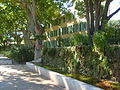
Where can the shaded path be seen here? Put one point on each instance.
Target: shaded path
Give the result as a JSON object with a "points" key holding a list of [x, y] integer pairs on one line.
{"points": [[20, 77], [5, 60]]}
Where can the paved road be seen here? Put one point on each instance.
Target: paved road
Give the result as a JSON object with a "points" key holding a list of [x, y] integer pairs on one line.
{"points": [[20, 77], [4, 60]]}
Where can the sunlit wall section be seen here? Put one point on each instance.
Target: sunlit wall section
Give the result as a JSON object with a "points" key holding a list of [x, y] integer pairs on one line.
{"points": [[60, 35]]}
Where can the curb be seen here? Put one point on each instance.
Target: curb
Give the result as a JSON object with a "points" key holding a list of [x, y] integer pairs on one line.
{"points": [[59, 79]]}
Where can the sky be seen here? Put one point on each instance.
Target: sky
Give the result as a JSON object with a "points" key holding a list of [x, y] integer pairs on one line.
{"points": [[115, 4]]}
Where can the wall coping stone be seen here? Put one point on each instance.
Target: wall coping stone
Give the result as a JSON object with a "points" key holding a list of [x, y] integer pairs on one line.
{"points": [[59, 79]]}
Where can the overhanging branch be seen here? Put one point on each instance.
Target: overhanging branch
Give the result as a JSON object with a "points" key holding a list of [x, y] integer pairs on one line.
{"points": [[106, 8], [111, 15]]}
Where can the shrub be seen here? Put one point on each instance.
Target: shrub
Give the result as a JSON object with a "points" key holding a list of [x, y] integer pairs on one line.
{"points": [[100, 41], [22, 54], [51, 52], [77, 60], [5, 53], [107, 44], [79, 39], [100, 61]]}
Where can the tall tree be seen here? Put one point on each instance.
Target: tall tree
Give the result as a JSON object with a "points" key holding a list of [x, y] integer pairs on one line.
{"points": [[96, 14], [39, 12], [12, 19]]}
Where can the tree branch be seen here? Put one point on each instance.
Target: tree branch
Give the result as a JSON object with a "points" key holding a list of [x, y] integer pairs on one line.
{"points": [[104, 14], [106, 8], [111, 15]]}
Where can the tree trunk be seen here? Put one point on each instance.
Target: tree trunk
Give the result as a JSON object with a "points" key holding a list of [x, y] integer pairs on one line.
{"points": [[97, 18], [38, 42], [37, 52], [26, 37], [33, 26], [104, 15], [90, 20], [97, 14], [92, 17]]}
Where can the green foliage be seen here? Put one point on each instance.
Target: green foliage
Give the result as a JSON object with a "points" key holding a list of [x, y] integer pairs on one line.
{"points": [[5, 53], [50, 68], [101, 61], [40, 37], [100, 40], [49, 9], [79, 39], [90, 80], [80, 7], [44, 51], [13, 20], [51, 52], [114, 23], [22, 54], [107, 45], [84, 78], [77, 60], [114, 36]]}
